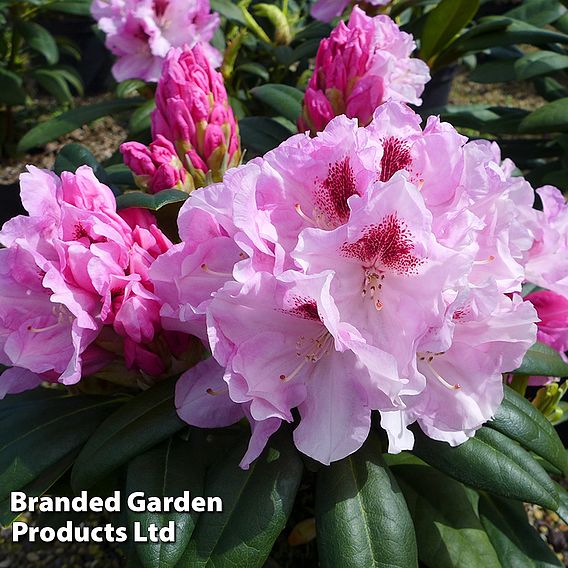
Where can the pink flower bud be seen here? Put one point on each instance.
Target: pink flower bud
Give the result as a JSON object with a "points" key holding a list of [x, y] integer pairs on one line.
{"points": [[360, 66]]}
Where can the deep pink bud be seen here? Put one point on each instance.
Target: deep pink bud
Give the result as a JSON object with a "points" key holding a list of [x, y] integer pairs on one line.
{"points": [[360, 66], [193, 112], [552, 309]]}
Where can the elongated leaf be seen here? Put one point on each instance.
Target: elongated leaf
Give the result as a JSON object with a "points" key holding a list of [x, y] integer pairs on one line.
{"points": [[537, 12], [260, 134], [229, 10], [119, 174], [72, 156], [256, 505], [144, 421], [255, 69], [448, 530], [285, 100], [11, 90], [150, 201], [517, 543], [518, 419], [75, 7], [361, 515], [68, 121], [39, 39], [38, 486], [167, 470], [141, 118], [443, 23], [542, 360], [66, 421], [54, 83], [562, 508], [492, 462]]}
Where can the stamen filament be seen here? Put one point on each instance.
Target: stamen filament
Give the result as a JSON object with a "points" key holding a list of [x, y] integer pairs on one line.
{"points": [[206, 268], [299, 211]]}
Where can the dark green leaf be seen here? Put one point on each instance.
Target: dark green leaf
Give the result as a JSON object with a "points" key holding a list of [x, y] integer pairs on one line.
{"points": [[315, 30], [260, 134], [67, 421], [562, 508], [256, 505], [537, 12], [448, 531], [129, 87], [518, 419], [361, 515], [74, 7], [542, 360], [54, 83], [285, 100], [11, 90], [39, 39], [492, 462], [443, 23], [144, 421], [150, 201], [517, 543], [68, 121], [72, 156], [141, 118], [167, 470], [119, 174], [229, 10], [254, 69]]}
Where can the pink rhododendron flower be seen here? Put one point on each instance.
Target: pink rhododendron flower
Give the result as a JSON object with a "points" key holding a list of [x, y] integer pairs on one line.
{"points": [[364, 269], [326, 10], [141, 32], [547, 264], [361, 65], [156, 167], [71, 268], [193, 127]]}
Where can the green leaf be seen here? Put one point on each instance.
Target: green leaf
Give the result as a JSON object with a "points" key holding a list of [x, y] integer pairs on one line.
{"points": [[492, 462], [537, 12], [543, 361], [518, 419], [143, 422], [443, 23], [129, 87], [314, 30], [120, 174], [54, 83], [517, 543], [562, 508], [66, 421], [285, 100], [229, 10], [39, 39], [361, 515], [40, 485], [254, 69], [150, 201], [448, 530], [72, 156], [74, 7], [69, 121], [71, 75], [167, 470], [256, 505], [11, 90], [259, 134], [140, 119]]}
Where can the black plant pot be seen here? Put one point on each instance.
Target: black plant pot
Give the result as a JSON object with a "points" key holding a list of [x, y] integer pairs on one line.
{"points": [[437, 91]]}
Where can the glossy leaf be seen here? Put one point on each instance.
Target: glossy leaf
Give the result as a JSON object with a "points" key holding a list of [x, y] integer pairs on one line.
{"points": [[36, 37], [11, 91], [518, 419], [517, 543], [70, 120], [141, 118], [285, 100], [361, 515], [443, 23], [448, 530], [72, 156], [492, 462], [66, 421], [259, 134], [542, 360], [167, 470], [153, 201], [256, 506], [135, 427], [537, 12]]}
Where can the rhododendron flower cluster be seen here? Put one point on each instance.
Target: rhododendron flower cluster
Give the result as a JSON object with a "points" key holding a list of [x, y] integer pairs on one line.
{"points": [[141, 32], [368, 268], [362, 64], [193, 127], [75, 284]]}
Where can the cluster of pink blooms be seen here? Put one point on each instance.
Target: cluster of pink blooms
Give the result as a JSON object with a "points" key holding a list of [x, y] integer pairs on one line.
{"points": [[141, 32], [368, 268], [195, 133], [75, 284], [361, 65]]}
